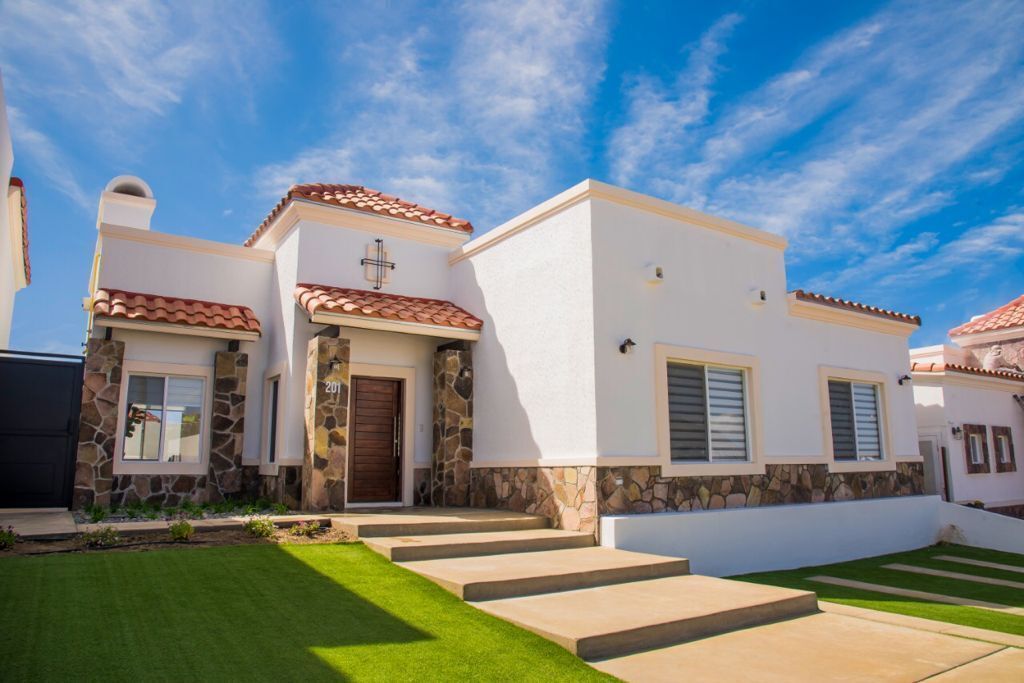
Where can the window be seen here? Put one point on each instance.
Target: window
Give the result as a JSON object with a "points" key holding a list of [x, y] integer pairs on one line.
{"points": [[856, 420], [976, 449], [1003, 440], [273, 393], [163, 420], [707, 413]]}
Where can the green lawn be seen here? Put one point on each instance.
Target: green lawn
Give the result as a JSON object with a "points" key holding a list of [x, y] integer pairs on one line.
{"points": [[260, 612], [870, 570]]}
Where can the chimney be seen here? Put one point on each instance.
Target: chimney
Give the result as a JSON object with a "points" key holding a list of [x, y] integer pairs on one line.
{"points": [[127, 201]]}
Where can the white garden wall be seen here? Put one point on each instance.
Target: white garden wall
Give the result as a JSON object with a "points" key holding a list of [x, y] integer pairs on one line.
{"points": [[744, 540]]}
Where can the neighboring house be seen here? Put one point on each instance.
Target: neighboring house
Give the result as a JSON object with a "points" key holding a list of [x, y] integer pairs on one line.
{"points": [[15, 272], [604, 352], [970, 408]]}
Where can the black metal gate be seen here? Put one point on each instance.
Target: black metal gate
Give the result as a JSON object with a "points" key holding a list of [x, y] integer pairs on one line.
{"points": [[40, 401]]}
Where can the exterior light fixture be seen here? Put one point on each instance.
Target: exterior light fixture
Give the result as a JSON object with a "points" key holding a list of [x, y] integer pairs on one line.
{"points": [[625, 346], [904, 378], [958, 433]]}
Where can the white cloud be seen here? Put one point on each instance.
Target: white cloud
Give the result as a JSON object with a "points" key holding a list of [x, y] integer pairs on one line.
{"points": [[47, 158], [472, 110]]}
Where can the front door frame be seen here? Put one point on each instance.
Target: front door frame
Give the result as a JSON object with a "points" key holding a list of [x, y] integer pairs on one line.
{"points": [[939, 463], [407, 375]]}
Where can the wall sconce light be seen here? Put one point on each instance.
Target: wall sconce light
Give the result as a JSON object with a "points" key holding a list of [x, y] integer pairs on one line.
{"points": [[958, 433], [625, 346], [904, 378]]}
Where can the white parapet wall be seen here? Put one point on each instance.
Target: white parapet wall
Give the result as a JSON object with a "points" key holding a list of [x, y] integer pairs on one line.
{"points": [[738, 541]]}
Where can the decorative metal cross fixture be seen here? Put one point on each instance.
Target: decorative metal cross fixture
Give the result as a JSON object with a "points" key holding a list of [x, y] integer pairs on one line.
{"points": [[379, 262]]}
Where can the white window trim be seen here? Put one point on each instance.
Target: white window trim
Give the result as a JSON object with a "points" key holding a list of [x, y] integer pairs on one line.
{"points": [[136, 367], [881, 381], [977, 454], [1002, 444], [279, 371], [750, 365]]}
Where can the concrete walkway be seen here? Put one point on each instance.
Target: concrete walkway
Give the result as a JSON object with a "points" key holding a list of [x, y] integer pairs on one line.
{"points": [[39, 523], [918, 595]]}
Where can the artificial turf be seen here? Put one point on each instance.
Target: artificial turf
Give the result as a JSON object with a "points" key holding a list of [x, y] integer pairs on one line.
{"points": [[254, 613], [871, 570]]}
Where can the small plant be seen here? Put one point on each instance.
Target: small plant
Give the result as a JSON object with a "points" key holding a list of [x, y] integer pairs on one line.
{"points": [[259, 526], [190, 509], [8, 538], [103, 537], [96, 513], [152, 514], [224, 506], [308, 529], [279, 508], [181, 530]]}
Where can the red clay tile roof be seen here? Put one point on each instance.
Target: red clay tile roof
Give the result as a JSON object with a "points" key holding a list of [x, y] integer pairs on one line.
{"points": [[114, 303], [953, 367], [360, 302], [18, 182], [854, 306], [359, 198], [1004, 317]]}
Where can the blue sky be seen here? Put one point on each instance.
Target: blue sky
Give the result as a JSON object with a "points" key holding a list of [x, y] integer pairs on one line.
{"points": [[883, 139]]}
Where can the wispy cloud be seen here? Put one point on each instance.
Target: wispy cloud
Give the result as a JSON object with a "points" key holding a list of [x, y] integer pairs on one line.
{"points": [[47, 158], [488, 116]]}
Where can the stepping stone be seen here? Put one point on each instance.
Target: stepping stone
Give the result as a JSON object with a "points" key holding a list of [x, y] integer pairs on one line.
{"points": [[920, 595], [627, 617], [819, 648], [434, 521], [492, 577], [981, 563], [954, 575], [406, 548]]}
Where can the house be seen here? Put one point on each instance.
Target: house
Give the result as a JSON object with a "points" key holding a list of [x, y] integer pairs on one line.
{"points": [[604, 352], [15, 270], [970, 407]]}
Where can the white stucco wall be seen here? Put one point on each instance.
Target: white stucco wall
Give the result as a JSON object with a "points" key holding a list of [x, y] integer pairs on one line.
{"points": [[533, 367], [7, 282]]}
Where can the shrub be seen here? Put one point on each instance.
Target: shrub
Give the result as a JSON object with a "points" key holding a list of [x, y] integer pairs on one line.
{"points": [[190, 509], [96, 513], [181, 530], [280, 508], [8, 538], [259, 526], [103, 537], [308, 529]]}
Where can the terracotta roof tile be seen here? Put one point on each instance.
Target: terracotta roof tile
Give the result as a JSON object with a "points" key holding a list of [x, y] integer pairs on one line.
{"points": [[854, 306], [953, 367], [114, 303], [1004, 317], [359, 198], [19, 183], [360, 302]]}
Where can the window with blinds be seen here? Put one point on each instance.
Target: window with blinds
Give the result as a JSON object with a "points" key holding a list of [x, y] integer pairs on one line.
{"points": [[707, 413], [856, 424]]}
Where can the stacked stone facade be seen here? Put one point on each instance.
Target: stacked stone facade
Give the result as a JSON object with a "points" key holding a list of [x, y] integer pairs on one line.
{"points": [[97, 434], [453, 425], [227, 427], [565, 495], [284, 487], [421, 486], [326, 414], [158, 489]]}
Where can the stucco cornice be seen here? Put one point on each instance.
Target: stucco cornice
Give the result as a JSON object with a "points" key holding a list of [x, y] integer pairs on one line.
{"points": [[592, 189], [985, 338], [838, 316], [162, 239], [951, 378]]}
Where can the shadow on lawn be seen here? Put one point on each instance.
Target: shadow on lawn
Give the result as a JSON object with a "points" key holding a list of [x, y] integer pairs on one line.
{"points": [[233, 613]]}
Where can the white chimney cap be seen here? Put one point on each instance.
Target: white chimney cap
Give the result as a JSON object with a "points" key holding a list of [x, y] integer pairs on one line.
{"points": [[130, 185], [127, 201]]}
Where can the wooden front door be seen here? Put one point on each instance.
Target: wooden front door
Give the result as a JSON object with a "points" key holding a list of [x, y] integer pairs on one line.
{"points": [[375, 465]]}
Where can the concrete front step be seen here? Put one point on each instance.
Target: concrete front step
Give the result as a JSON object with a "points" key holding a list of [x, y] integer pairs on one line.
{"points": [[492, 577], [610, 621], [429, 521], [437, 546]]}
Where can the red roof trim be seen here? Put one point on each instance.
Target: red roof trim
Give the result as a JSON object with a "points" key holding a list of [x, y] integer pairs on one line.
{"points": [[360, 302], [966, 369], [359, 198], [116, 303], [857, 307], [1005, 317], [19, 183]]}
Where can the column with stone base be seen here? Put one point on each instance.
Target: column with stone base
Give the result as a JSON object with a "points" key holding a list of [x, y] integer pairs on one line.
{"points": [[326, 414], [97, 433], [226, 433], [453, 424]]}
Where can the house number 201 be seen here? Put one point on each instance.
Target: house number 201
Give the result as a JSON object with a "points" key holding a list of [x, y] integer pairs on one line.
{"points": [[332, 386]]}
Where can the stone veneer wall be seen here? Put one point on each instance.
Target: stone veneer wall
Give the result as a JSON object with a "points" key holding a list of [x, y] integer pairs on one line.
{"points": [[158, 489], [566, 495], [421, 486], [643, 489], [453, 424], [285, 488], [326, 414], [230, 369], [97, 434]]}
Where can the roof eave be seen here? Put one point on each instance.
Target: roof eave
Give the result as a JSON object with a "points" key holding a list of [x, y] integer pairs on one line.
{"points": [[175, 328], [385, 325]]}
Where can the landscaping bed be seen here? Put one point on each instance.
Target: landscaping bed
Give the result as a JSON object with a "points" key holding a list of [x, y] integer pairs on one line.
{"points": [[137, 511]]}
